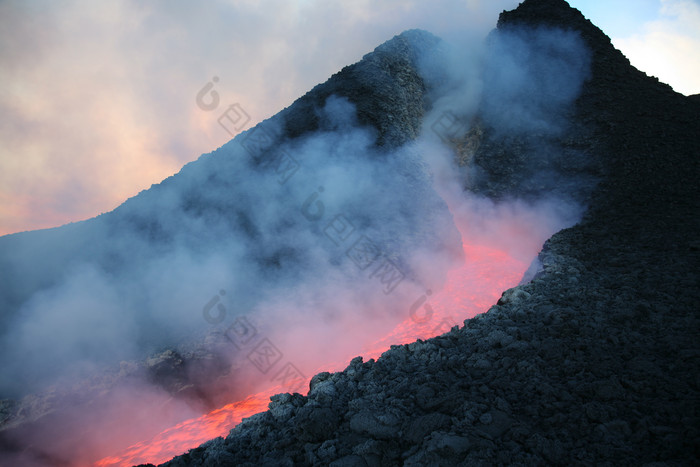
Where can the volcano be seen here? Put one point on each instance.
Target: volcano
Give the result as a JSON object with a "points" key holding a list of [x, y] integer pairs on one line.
{"points": [[395, 202]]}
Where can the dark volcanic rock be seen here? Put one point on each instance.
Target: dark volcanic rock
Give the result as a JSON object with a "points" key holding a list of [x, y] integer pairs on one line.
{"points": [[595, 361], [385, 86]]}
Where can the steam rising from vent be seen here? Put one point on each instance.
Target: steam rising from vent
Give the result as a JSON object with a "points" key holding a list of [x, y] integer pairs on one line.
{"points": [[321, 242], [532, 76], [228, 223], [504, 108]]}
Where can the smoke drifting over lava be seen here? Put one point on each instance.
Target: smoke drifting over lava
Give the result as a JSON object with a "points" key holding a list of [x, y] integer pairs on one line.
{"points": [[320, 236]]}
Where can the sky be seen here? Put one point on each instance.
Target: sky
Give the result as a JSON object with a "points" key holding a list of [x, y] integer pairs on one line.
{"points": [[99, 100]]}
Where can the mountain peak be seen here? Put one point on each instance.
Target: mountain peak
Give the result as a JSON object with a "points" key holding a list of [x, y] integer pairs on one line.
{"points": [[553, 13], [609, 64], [410, 43], [385, 87], [535, 12]]}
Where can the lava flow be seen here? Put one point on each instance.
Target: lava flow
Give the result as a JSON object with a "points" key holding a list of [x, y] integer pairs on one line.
{"points": [[191, 433], [469, 290]]}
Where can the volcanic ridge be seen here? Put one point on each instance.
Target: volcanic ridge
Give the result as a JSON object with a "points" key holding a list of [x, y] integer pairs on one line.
{"points": [[593, 361]]}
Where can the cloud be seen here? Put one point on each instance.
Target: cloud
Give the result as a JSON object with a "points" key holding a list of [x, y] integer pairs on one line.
{"points": [[98, 100], [668, 47]]}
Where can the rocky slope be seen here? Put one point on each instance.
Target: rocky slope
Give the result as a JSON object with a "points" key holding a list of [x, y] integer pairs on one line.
{"points": [[123, 293], [594, 361]]}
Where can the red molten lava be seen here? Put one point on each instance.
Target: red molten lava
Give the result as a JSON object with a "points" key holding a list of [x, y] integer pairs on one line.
{"points": [[190, 433], [470, 289]]}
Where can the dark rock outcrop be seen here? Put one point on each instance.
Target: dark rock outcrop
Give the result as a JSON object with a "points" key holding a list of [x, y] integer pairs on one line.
{"points": [[385, 86]]}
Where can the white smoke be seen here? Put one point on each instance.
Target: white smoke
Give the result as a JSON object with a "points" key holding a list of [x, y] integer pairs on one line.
{"points": [[324, 240]]}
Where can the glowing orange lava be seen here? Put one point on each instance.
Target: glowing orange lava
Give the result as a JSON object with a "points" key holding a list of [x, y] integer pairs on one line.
{"points": [[470, 289], [190, 433]]}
